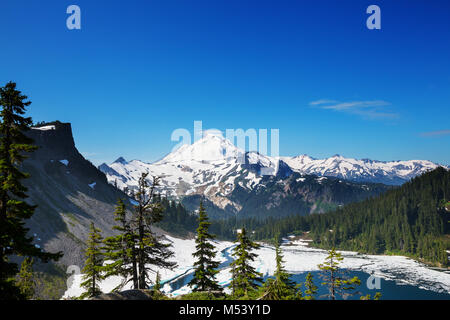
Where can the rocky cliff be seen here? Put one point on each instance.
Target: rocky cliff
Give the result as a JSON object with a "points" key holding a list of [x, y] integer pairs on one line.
{"points": [[70, 193]]}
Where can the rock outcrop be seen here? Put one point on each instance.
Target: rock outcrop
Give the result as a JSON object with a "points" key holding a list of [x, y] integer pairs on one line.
{"points": [[69, 192]]}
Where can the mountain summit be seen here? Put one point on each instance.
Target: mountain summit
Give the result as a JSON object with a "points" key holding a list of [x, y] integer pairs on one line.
{"points": [[215, 169], [121, 160], [210, 164], [212, 147], [213, 157]]}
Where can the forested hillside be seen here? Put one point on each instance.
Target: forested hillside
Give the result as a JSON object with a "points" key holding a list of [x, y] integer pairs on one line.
{"points": [[176, 219], [412, 220]]}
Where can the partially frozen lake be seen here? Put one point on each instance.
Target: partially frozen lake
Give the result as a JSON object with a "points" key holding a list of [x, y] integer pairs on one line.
{"points": [[400, 277]]}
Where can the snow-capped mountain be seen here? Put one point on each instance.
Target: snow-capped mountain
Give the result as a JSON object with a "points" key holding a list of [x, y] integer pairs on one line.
{"points": [[215, 169], [214, 161], [209, 166], [365, 170]]}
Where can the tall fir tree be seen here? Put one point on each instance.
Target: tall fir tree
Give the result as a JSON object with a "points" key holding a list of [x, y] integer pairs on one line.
{"points": [[93, 267], [245, 277], [233, 280], [334, 277], [14, 210], [120, 250], [311, 288], [280, 287], [205, 265], [151, 251]]}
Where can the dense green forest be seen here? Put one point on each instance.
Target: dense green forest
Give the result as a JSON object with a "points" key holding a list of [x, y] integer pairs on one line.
{"points": [[412, 220], [177, 219]]}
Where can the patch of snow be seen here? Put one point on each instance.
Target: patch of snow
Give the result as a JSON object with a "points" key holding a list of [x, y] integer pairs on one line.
{"points": [[44, 128]]}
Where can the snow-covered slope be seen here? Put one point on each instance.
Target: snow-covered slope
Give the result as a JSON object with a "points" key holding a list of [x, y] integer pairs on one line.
{"points": [[213, 167], [209, 167]]}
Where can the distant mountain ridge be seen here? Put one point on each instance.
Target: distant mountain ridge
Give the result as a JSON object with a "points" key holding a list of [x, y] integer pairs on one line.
{"points": [[213, 168], [364, 170]]}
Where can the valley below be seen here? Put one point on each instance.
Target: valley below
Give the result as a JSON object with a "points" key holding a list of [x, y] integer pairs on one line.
{"points": [[400, 277]]}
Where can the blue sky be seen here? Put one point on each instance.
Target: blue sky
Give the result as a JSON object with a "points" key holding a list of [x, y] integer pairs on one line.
{"points": [[137, 70]]}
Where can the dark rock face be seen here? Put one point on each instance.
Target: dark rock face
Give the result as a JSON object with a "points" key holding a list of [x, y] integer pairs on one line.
{"points": [[108, 170], [58, 141], [69, 191], [121, 160], [284, 170], [127, 295], [57, 145]]}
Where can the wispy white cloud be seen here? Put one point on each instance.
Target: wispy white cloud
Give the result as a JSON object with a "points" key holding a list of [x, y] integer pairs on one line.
{"points": [[371, 109], [322, 101], [436, 133]]}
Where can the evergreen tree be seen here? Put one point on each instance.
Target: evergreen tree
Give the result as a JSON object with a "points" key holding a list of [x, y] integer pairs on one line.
{"points": [[233, 280], [298, 293], [150, 250], [92, 271], [119, 250], [25, 279], [205, 265], [14, 210], [245, 277], [311, 288], [269, 290], [334, 278], [281, 287]]}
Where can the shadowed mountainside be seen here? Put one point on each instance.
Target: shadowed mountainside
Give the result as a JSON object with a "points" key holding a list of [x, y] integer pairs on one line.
{"points": [[70, 193]]}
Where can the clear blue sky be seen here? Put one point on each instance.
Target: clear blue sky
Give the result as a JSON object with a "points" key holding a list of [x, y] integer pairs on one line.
{"points": [[137, 70]]}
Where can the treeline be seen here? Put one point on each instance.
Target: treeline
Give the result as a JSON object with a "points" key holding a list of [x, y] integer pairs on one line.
{"points": [[412, 220], [177, 219]]}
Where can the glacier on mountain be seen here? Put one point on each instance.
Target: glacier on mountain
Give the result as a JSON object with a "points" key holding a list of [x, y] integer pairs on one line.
{"points": [[213, 167]]}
